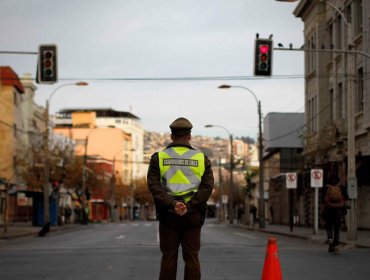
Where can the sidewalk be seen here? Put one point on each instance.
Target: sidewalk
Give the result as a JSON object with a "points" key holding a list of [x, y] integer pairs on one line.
{"points": [[26, 229], [363, 236]]}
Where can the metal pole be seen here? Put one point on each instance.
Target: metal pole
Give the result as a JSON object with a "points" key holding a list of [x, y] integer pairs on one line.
{"points": [[351, 154], [83, 187], [132, 195], [232, 194], [261, 170], [113, 182], [223, 206], [46, 167], [316, 211]]}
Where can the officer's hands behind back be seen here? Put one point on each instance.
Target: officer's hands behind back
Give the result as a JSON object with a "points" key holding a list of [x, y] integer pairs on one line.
{"points": [[180, 208]]}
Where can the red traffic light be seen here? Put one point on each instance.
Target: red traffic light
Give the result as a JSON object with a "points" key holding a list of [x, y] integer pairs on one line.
{"points": [[263, 57], [264, 49]]}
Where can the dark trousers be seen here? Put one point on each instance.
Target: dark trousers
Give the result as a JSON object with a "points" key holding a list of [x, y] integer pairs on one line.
{"points": [[333, 220], [173, 232]]}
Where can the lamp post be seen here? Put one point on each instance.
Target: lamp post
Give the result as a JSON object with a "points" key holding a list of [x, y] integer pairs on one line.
{"points": [[231, 198], [260, 154], [46, 153]]}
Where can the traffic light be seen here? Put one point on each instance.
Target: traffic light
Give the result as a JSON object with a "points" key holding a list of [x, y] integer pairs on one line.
{"points": [[47, 72], [263, 57]]}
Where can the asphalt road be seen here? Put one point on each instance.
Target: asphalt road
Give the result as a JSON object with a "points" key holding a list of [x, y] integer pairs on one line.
{"points": [[130, 251]]}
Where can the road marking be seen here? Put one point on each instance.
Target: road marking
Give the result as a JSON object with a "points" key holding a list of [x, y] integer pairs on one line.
{"points": [[134, 225], [244, 235], [120, 236]]}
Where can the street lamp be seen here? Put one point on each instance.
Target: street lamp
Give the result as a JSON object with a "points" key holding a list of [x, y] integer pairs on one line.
{"points": [[260, 144], [231, 199], [46, 154]]}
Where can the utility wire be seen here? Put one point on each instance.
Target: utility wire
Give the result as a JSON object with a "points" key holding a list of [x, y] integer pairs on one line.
{"points": [[304, 125]]}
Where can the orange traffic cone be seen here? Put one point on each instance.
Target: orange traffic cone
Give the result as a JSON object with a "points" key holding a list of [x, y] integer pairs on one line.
{"points": [[271, 268]]}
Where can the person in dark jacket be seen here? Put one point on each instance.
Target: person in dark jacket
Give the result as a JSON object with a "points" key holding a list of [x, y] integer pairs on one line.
{"points": [[180, 179], [334, 212]]}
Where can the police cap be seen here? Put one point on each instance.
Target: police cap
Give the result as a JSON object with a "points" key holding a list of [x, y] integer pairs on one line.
{"points": [[181, 126]]}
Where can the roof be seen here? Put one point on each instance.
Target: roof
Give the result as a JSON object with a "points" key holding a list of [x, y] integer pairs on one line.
{"points": [[283, 130], [9, 78], [100, 112]]}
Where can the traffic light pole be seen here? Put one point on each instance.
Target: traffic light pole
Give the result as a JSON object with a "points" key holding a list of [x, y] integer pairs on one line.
{"points": [[46, 169], [325, 51]]}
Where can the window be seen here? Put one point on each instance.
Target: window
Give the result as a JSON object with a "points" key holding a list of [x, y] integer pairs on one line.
{"points": [[349, 14], [15, 163], [15, 98], [118, 120], [331, 38], [308, 58], [341, 102], [360, 91], [312, 118], [15, 130], [331, 106], [358, 17], [339, 32], [313, 53], [315, 115]]}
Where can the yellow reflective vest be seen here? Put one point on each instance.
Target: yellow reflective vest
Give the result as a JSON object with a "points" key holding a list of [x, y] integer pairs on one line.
{"points": [[181, 170]]}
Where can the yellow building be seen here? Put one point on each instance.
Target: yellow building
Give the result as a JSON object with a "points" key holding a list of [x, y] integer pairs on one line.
{"points": [[97, 144], [109, 143], [11, 129]]}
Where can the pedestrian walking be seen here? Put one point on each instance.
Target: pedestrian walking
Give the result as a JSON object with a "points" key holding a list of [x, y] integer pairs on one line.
{"points": [[180, 179], [67, 214], [253, 213], [334, 210]]}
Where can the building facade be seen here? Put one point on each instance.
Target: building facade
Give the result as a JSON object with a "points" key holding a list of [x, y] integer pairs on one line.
{"points": [[15, 133], [124, 121], [283, 146], [337, 91]]}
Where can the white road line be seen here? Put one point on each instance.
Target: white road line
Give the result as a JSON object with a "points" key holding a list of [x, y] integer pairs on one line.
{"points": [[244, 235], [157, 229], [120, 237]]}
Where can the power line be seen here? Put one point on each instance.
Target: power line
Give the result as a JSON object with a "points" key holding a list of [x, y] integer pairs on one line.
{"points": [[304, 125]]}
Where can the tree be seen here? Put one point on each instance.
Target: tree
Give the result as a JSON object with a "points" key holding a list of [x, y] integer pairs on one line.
{"points": [[250, 185], [143, 196], [62, 161]]}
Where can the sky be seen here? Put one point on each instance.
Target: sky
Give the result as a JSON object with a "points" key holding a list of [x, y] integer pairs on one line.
{"points": [[161, 59]]}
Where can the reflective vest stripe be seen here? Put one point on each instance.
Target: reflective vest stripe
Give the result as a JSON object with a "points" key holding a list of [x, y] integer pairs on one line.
{"points": [[181, 170]]}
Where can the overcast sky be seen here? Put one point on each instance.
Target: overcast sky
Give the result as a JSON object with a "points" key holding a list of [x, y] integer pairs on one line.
{"points": [[135, 53]]}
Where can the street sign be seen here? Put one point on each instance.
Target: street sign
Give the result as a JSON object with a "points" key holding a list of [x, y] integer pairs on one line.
{"points": [[316, 178], [352, 188], [291, 180], [224, 199]]}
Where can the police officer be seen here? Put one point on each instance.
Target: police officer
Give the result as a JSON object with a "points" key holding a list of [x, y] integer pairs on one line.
{"points": [[180, 179]]}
